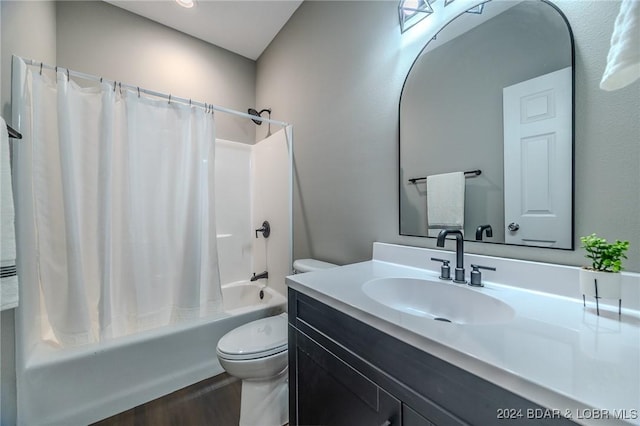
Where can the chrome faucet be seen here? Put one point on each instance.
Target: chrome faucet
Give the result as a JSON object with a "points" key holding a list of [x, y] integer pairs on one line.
{"points": [[459, 271], [255, 277]]}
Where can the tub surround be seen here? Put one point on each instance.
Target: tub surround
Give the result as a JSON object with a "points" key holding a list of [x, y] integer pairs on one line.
{"points": [[555, 352]]}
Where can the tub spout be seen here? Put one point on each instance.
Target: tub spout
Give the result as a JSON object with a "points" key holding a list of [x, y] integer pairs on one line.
{"points": [[255, 277]]}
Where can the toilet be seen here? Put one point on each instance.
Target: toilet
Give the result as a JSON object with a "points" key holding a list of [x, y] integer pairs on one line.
{"points": [[256, 353]]}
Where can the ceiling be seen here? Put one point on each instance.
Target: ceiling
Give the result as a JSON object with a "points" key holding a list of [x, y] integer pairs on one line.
{"points": [[245, 27]]}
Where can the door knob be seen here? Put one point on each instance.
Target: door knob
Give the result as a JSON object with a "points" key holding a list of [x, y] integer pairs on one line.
{"points": [[513, 227]]}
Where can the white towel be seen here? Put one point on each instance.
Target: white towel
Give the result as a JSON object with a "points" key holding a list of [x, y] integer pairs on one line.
{"points": [[8, 276], [445, 201], [623, 60]]}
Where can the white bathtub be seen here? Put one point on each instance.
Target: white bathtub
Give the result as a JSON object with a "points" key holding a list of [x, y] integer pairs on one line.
{"points": [[82, 385]]}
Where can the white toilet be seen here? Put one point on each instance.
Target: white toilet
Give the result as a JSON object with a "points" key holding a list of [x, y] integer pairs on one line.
{"points": [[256, 352]]}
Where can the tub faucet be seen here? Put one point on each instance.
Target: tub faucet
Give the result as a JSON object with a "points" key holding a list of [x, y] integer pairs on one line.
{"points": [[255, 277], [459, 272]]}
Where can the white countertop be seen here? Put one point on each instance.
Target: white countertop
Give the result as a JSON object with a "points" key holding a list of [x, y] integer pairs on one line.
{"points": [[554, 352]]}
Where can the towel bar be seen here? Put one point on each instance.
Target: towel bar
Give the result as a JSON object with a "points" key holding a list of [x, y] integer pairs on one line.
{"points": [[470, 173]]}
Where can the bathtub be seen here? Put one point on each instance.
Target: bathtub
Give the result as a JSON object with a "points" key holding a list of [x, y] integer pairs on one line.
{"points": [[86, 384]]}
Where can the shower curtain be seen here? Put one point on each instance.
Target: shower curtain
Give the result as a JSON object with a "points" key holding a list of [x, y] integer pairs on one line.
{"points": [[116, 207]]}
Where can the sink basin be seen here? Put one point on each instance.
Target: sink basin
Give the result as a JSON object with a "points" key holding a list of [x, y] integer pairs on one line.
{"points": [[441, 301]]}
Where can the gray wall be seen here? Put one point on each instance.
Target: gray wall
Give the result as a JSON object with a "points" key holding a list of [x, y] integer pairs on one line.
{"points": [[41, 43], [335, 71], [15, 17]]}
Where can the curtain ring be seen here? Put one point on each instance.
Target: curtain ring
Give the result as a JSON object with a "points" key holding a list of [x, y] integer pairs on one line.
{"points": [[189, 101], [40, 68], [100, 80], [114, 86], [169, 98], [68, 78], [120, 87], [138, 91]]}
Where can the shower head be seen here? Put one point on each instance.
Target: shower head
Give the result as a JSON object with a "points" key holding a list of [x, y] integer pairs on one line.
{"points": [[253, 111]]}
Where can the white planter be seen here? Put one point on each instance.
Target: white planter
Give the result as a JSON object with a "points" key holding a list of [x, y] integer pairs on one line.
{"points": [[605, 285]]}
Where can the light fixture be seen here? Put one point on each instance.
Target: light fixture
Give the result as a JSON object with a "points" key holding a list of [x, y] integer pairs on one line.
{"points": [[186, 3], [411, 12]]}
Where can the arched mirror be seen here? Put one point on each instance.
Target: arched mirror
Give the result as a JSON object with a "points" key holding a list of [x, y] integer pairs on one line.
{"points": [[490, 99]]}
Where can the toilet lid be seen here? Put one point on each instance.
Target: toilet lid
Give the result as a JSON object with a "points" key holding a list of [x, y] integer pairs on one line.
{"points": [[257, 339], [311, 265]]}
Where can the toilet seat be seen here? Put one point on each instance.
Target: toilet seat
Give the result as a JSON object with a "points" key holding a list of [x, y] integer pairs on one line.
{"points": [[256, 339]]}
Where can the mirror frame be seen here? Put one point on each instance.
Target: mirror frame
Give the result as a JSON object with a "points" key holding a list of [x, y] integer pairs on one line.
{"points": [[573, 135]]}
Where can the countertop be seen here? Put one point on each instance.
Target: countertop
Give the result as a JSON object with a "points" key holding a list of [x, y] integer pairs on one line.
{"points": [[554, 352]]}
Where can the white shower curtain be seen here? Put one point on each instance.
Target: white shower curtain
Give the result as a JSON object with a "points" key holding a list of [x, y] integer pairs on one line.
{"points": [[122, 208]]}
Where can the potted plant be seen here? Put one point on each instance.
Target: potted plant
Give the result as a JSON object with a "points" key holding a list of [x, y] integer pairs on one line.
{"points": [[602, 279]]}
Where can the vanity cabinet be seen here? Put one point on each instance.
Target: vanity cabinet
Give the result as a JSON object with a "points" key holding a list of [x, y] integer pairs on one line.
{"points": [[345, 372], [331, 392]]}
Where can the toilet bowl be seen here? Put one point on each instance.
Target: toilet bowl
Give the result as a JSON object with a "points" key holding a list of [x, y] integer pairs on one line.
{"points": [[256, 353]]}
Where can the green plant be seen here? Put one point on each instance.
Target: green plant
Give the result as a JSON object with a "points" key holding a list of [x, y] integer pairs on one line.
{"points": [[604, 256]]}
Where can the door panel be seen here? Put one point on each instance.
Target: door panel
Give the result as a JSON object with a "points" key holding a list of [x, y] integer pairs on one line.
{"points": [[538, 163]]}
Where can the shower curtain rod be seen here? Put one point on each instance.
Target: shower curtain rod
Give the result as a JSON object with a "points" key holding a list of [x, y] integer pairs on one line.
{"points": [[169, 97]]}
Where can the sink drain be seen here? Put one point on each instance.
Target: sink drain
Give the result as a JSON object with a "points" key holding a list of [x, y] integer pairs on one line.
{"points": [[442, 319]]}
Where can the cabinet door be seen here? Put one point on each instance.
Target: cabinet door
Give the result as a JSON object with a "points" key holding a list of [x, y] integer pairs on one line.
{"points": [[411, 418], [330, 392]]}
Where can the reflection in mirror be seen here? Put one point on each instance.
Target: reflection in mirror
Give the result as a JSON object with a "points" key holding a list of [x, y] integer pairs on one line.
{"points": [[493, 93]]}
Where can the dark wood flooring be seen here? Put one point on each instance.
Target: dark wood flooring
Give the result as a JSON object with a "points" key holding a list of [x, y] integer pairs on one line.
{"points": [[211, 402]]}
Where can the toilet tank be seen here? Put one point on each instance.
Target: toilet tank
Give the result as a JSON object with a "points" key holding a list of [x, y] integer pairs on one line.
{"points": [[310, 265]]}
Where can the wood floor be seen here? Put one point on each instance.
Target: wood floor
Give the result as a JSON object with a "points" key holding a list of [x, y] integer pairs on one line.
{"points": [[212, 402]]}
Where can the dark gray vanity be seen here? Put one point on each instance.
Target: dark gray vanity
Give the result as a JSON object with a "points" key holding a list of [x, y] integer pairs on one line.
{"points": [[345, 372]]}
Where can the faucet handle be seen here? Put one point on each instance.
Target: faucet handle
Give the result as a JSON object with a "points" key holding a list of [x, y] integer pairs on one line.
{"points": [[265, 230], [476, 275], [445, 269]]}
